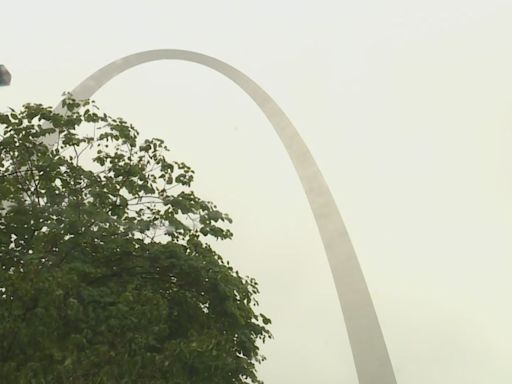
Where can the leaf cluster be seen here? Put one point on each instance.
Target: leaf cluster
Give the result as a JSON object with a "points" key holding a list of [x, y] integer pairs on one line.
{"points": [[105, 272]]}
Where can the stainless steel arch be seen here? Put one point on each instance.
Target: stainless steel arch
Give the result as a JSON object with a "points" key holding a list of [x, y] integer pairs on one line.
{"points": [[369, 350]]}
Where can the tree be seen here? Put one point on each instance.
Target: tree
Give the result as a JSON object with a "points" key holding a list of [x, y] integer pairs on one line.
{"points": [[105, 272]]}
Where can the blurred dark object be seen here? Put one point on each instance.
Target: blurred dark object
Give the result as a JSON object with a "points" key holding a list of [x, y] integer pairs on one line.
{"points": [[5, 76]]}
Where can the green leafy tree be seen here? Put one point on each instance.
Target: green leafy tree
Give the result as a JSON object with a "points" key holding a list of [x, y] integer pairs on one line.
{"points": [[105, 272]]}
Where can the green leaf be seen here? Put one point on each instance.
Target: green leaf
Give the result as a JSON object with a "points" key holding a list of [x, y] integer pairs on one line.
{"points": [[106, 279]]}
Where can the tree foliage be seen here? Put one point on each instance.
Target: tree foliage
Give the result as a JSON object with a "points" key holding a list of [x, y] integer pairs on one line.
{"points": [[105, 272]]}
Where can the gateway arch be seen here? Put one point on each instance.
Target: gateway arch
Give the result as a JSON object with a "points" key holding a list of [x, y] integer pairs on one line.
{"points": [[371, 358]]}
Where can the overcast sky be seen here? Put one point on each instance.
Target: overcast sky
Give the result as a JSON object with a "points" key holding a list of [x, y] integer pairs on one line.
{"points": [[407, 108]]}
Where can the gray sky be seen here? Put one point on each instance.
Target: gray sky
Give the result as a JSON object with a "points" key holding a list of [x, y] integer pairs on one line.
{"points": [[406, 106]]}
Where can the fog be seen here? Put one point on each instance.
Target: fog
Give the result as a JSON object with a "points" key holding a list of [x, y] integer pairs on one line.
{"points": [[404, 105]]}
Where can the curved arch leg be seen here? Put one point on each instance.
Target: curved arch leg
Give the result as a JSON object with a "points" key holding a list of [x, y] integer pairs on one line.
{"points": [[369, 350]]}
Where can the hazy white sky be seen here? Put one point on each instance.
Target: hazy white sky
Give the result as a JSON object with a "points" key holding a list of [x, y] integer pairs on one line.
{"points": [[406, 106]]}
